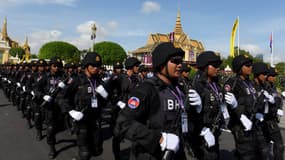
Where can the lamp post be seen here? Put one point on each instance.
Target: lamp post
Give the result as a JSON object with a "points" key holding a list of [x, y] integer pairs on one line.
{"points": [[93, 35]]}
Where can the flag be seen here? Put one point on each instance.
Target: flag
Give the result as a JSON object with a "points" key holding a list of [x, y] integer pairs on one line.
{"points": [[171, 37], [233, 36], [270, 42], [93, 36]]}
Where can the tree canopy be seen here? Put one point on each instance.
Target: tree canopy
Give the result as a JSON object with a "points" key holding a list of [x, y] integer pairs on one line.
{"points": [[66, 51], [17, 51], [110, 52]]}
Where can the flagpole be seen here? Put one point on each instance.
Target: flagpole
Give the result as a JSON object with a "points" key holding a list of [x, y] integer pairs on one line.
{"points": [[238, 35], [272, 50]]}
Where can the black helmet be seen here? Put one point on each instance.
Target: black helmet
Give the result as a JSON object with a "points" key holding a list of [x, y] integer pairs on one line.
{"points": [[56, 61], [185, 67], [162, 53], [239, 61], [118, 65], [41, 62], [69, 65], [131, 62], [272, 72], [259, 68], [92, 58], [142, 68], [207, 58], [33, 63]]}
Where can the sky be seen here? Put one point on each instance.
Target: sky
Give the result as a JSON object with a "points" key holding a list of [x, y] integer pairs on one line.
{"points": [[129, 22]]}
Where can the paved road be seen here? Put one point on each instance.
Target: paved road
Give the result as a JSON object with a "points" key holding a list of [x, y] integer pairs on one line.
{"points": [[18, 143]]}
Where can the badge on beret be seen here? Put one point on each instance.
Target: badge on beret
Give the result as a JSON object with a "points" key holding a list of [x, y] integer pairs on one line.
{"points": [[246, 56], [58, 60], [41, 62], [133, 102], [97, 58]]}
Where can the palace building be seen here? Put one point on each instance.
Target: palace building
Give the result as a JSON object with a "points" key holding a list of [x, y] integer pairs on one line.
{"points": [[180, 39], [6, 43]]}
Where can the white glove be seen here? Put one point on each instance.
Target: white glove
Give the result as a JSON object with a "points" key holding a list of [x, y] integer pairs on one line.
{"points": [[61, 85], [280, 112], [170, 141], [33, 94], [231, 100], [259, 116], [24, 88], [76, 115], [246, 122], [208, 136], [47, 98], [269, 97], [9, 81], [18, 84], [283, 94], [121, 104], [195, 100], [101, 90], [5, 79]]}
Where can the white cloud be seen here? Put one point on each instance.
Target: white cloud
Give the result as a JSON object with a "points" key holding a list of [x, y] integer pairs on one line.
{"points": [[37, 39], [252, 49], [150, 7]]}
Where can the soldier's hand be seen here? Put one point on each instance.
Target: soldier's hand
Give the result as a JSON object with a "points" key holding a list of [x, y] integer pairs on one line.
{"points": [[101, 90], [280, 112], [259, 117], [246, 122], [61, 85], [231, 100], [195, 100], [47, 98], [269, 97], [169, 141], [76, 115], [208, 136]]}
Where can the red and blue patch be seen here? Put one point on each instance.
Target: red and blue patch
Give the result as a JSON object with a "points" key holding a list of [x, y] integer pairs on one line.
{"points": [[133, 102]]}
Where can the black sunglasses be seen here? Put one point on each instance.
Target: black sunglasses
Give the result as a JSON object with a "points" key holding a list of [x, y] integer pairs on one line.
{"points": [[216, 64], [176, 60], [249, 64]]}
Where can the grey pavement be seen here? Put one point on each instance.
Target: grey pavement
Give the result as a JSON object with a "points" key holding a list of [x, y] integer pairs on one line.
{"points": [[18, 143]]}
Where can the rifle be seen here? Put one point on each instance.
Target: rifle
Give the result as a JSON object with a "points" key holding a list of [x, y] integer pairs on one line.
{"points": [[53, 93]]}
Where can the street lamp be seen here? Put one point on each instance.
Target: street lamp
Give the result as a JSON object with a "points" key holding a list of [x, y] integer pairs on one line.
{"points": [[93, 35]]}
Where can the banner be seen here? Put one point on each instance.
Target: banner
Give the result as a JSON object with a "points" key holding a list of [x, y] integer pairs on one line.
{"points": [[171, 37], [270, 42], [233, 37]]}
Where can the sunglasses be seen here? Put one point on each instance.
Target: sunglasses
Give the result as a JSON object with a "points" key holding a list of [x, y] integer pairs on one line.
{"points": [[216, 64], [176, 60], [248, 64]]}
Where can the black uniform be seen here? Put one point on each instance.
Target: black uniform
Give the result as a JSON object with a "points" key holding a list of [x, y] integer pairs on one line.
{"points": [[249, 144], [152, 108], [87, 101], [271, 129]]}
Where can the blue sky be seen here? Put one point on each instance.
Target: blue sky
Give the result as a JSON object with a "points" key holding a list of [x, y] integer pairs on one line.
{"points": [[129, 22]]}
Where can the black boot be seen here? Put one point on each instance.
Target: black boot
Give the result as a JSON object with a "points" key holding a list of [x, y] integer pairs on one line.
{"points": [[29, 124], [52, 152], [39, 135]]}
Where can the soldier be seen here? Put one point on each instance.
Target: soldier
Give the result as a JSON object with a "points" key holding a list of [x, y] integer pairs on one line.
{"points": [[152, 116], [249, 140], [53, 100], [271, 129], [38, 92], [142, 73], [207, 120], [88, 103], [184, 79]]}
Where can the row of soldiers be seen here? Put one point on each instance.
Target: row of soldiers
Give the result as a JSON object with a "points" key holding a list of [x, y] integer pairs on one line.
{"points": [[163, 113]]}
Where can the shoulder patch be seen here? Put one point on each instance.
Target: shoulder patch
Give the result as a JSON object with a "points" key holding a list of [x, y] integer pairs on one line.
{"points": [[133, 102]]}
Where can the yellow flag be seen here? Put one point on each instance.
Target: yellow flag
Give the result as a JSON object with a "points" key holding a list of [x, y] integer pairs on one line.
{"points": [[233, 37]]}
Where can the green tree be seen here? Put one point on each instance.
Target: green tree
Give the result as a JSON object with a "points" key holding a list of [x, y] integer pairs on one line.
{"points": [[17, 51], [66, 51], [110, 52], [34, 56]]}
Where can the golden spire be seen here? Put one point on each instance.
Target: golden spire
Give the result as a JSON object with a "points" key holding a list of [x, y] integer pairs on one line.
{"points": [[26, 42], [178, 27], [4, 30]]}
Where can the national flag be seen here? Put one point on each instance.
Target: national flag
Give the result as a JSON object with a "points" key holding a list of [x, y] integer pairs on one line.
{"points": [[233, 36], [270, 42]]}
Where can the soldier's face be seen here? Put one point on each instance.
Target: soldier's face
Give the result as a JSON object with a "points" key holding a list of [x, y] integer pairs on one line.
{"points": [[92, 70], [246, 69], [212, 71], [174, 66]]}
